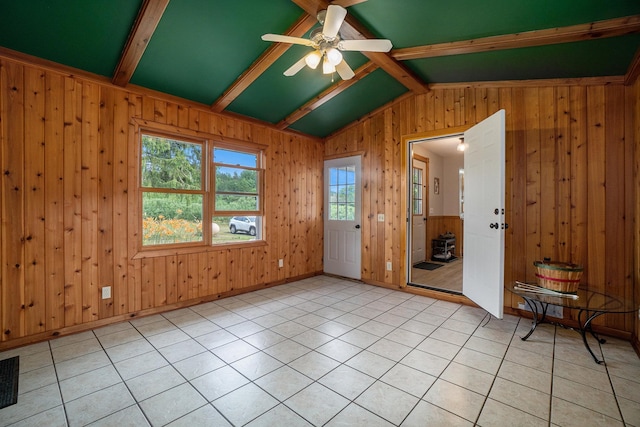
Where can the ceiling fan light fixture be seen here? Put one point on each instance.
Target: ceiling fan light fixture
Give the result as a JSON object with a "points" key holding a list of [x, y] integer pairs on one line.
{"points": [[313, 59], [328, 67], [333, 56]]}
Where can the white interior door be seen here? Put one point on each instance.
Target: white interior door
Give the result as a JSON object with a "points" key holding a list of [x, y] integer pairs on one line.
{"points": [[342, 207], [419, 176], [484, 164]]}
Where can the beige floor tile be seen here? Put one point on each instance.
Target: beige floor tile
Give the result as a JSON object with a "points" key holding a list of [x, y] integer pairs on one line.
{"points": [[172, 404], [317, 404], [498, 414], [283, 383], [205, 416], [425, 362], [245, 404], [375, 399], [155, 382], [455, 399], [30, 404], [347, 381], [100, 404], [526, 376], [54, 417], [526, 399], [127, 417], [355, 415], [427, 414], [564, 413], [408, 379], [468, 377], [219, 382], [89, 382], [314, 365], [198, 365], [439, 348], [594, 399]]}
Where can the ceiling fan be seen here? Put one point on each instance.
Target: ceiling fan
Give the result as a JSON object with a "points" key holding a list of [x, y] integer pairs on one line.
{"points": [[327, 45]]}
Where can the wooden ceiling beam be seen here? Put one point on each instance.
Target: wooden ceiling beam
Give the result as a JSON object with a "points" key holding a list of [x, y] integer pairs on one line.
{"points": [[148, 18], [573, 33], [260, 65], [354, 30], [327, 95], [634, 70]]}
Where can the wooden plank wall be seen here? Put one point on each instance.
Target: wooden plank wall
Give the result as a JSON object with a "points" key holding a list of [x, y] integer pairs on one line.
{"points": [[67, 229], [569, 177], [437, 225]]}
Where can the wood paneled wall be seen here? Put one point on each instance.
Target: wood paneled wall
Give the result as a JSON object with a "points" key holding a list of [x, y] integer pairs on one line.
{"points": [[67, 223], [570, 188]]}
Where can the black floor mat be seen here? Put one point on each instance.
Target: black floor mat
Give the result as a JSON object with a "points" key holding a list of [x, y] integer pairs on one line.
{"points": [[9, 381], [427, 266]]}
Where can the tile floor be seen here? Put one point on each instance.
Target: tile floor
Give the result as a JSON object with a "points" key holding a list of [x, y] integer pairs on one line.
{"points": [[324, 351]]}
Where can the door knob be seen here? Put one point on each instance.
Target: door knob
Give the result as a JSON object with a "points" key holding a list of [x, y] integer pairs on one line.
{"points": [[357, 226], [494, 225]]}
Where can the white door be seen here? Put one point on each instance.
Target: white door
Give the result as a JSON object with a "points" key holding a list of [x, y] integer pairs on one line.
{"points": [[342, 232], [484, 164], [418, 211]]}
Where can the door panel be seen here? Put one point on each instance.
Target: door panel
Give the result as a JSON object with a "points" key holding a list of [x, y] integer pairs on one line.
{"points": [[484, 164], [342, 207]]}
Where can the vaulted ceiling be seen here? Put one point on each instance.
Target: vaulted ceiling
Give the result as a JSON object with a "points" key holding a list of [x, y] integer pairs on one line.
{"points": [[211, 52]]}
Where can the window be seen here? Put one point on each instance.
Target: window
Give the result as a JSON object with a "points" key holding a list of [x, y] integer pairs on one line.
{"points": [[417, 191], [236, 212], [342, 193], [184, 180]]}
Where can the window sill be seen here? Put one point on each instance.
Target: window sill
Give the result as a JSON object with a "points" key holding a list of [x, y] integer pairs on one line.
{"points": [[154, 253]]}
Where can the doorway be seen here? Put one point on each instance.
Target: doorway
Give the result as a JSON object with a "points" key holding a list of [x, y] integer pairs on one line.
{"points": [[436, 215], [481, 204], [342, 207]]}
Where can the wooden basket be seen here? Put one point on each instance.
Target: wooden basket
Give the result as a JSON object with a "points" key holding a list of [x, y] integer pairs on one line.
{"points": [[558, 276]]}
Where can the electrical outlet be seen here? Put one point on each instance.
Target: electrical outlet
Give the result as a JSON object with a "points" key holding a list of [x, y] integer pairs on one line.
{"points": [[380, 217], [389, 266], [552, 310], [280, 263], [106, 292]]}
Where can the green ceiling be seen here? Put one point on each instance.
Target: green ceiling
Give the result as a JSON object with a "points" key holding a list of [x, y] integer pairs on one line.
{"points": [[200, 47]]}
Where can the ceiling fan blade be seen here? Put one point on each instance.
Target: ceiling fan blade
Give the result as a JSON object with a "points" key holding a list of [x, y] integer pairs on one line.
{"points": [[344, 70], [375, 45], [293, 70], [287, 39], [333, 20]]}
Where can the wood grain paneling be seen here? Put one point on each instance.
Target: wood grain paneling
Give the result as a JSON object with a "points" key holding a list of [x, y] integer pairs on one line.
{"points": [[69, 220], [566, 177]]}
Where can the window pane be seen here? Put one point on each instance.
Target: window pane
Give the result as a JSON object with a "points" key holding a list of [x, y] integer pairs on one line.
{"points": [[228, 229], [167, 163], [236, 180], [171, 218], [236, 202], [237, 158]]}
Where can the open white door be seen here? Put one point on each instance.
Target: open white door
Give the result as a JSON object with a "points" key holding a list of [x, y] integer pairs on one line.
{"points": [[342, 207], [484, 228]]}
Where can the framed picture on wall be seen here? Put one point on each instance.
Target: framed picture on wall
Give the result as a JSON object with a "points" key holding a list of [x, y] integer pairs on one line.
{"points": [[436, 185]]}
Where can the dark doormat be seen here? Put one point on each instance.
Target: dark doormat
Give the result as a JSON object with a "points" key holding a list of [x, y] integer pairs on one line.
{"points": [[427, 266], [9, 381]]}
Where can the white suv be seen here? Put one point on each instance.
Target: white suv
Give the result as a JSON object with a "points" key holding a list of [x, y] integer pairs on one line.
{"points": [[246, 224]]}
